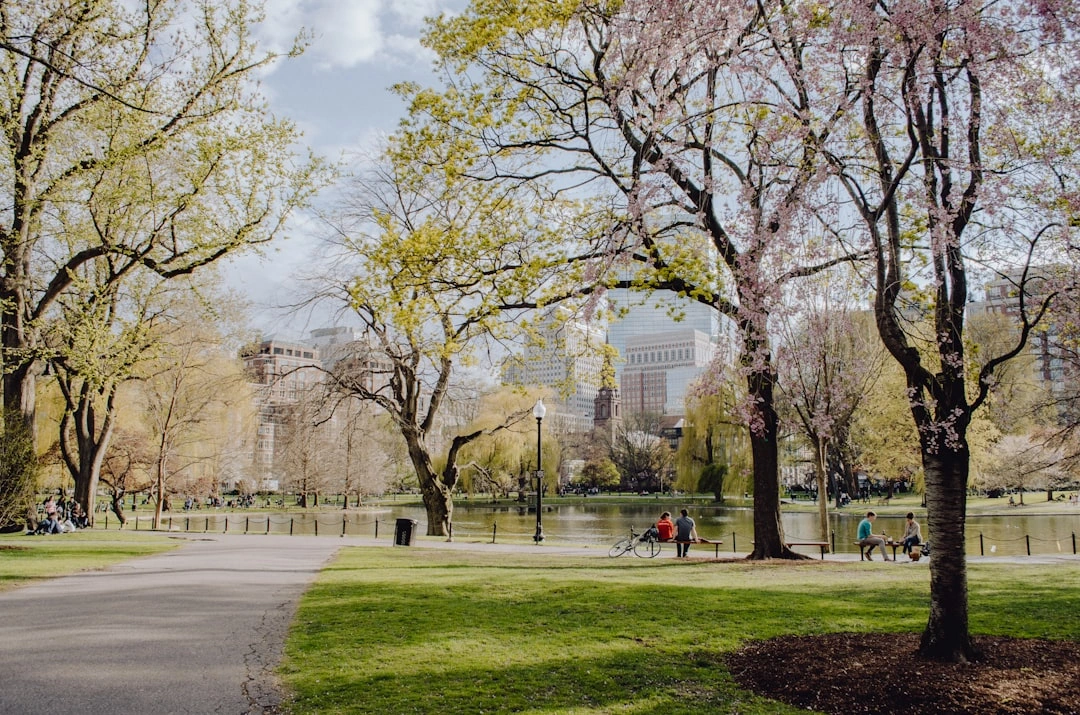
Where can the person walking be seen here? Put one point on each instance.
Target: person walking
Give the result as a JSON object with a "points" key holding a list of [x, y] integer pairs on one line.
{"points": [[685, 533]]}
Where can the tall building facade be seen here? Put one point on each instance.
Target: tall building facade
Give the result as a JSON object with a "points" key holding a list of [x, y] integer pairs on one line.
{"points": [[348, 350], [664, 342], [565, 356], [1002, 297], [282, 372], [660, 367]]}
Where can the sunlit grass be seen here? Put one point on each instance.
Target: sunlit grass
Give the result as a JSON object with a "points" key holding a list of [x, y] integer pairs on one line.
{"points": [[26, 559], [413, 630]]}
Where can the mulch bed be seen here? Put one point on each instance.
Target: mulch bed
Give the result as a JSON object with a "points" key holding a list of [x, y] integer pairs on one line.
{"points": [[879, 673]]}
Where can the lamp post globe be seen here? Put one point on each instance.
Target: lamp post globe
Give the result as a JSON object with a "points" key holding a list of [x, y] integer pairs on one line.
{"points": [[538, 412]]}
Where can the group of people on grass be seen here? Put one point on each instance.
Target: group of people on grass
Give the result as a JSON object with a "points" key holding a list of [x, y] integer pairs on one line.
{"points": [[683, 531], [866, 536], [58, 516]]}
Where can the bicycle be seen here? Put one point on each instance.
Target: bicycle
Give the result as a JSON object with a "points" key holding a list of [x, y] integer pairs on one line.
{"points": [[644, 545]]}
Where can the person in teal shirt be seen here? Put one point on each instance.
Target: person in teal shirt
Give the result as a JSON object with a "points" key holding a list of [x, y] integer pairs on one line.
{"points": [[869, 539]]}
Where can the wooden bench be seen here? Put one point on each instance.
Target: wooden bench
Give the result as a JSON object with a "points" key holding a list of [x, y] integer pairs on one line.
{"points": [[716, 544], [863, 547]]}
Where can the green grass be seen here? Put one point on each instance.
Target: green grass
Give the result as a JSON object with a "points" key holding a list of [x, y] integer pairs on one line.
{"points": [[427, 631], [26, 559]]}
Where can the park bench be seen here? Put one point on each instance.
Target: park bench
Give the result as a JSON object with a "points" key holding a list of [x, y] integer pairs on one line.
{"points": [[894, 544], [716, 544]]}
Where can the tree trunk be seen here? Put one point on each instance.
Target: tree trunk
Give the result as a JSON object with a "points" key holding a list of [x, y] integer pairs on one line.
{"points": [[821, 447], [946, 636], [118, 508], [20, 391], [438, 497], [768, 530], [160, 501], [440, 508]]}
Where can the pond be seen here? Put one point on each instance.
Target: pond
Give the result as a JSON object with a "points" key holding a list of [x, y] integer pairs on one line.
{"points": [[600, 524]]}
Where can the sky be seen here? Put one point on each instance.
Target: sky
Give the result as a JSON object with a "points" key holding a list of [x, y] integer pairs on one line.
{"points": [[338, 94]]}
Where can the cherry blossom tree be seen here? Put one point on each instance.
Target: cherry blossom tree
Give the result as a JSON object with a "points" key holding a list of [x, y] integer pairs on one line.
{"points": [[958, 157], [692, 120]]}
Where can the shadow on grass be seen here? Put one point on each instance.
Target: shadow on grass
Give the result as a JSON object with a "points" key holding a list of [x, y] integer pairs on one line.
{"points": [[460, 634]]}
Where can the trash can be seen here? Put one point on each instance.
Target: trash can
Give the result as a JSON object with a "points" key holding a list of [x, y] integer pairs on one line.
{"points": [[403, 531]]}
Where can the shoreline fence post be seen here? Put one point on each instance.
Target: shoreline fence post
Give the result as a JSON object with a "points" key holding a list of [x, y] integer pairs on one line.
{"points": [[495, 526], [982, 551], [1027, 539], [733, 549], [343, 522], [376, 528]]}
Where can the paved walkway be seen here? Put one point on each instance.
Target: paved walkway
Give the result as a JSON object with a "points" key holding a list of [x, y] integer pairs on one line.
{"points": [[196, 630]]}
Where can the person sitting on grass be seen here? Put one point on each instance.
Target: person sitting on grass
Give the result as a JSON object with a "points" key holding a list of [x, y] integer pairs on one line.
{"points": [[49, 525], [869, 539]]}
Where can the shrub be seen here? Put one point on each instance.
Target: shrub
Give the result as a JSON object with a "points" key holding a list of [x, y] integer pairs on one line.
{"points": [[18, 469]]}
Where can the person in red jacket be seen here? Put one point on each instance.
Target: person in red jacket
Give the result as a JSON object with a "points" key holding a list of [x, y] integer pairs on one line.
{"points": [[665, 527]]}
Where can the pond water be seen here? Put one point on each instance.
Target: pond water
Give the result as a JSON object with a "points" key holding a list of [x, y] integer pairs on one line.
{"points": [[602, 523]]}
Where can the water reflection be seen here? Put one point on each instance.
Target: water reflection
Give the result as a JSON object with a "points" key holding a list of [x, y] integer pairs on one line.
{"points": [[600, 524]]}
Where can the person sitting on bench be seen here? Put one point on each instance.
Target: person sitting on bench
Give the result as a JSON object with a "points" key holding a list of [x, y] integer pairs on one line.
{"points": [[686, 534], [666, 527], [912, 534], [868, 539]]}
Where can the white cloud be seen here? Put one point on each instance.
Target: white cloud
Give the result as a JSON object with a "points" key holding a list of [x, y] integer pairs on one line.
{"points": [[413, 12], [347, 33]]}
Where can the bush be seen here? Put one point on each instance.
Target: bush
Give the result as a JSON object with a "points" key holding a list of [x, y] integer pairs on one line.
{"points": [[18, 469]]}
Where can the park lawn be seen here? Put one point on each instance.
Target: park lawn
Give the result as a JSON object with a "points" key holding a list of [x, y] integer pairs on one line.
{"points": [[434, 631], [27, 559]]}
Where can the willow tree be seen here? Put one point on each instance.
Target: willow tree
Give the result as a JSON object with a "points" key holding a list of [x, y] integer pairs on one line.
{"points": [[133, 134], [691, 118], [959, 160]]}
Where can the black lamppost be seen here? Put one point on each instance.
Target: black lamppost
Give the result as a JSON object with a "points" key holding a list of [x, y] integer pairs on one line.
{"points": [[538, 412]]}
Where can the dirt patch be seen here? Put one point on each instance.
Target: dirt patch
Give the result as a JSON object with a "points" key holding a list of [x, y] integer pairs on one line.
{"points": [[13, 547], [860, 673]]}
